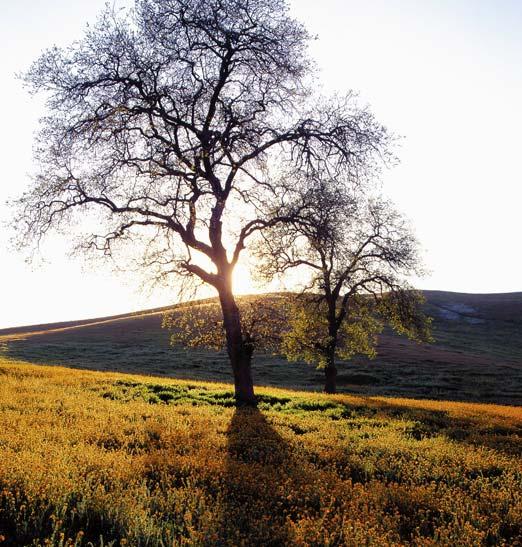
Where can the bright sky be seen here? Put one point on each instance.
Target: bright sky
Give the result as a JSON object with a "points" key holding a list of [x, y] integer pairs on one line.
{"points": [[445, 74]]}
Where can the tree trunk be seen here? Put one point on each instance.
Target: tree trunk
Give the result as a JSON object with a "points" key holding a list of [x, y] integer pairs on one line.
{"points": [[330, 373], [239, 351]]}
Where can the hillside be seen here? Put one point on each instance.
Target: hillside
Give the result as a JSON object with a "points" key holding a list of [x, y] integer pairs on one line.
{"points": [[97, 459], [477, 355]]}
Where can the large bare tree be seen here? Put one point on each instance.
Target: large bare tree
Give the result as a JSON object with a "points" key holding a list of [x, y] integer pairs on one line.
{"points": [[359, 252], [175, 121]]}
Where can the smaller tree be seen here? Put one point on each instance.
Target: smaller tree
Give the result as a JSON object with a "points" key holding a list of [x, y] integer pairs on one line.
{"points": [[359, 253]]}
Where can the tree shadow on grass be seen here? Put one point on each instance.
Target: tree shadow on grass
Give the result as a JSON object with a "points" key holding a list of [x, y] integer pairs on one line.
{"points": [[260, 471]]}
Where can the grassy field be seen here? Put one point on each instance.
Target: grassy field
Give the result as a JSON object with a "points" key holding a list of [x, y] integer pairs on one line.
{"points": [[477, 355], [92, 458]]}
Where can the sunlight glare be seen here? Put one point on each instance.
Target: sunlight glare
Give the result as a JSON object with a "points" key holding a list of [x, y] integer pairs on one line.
{"points": [[242, 280]]}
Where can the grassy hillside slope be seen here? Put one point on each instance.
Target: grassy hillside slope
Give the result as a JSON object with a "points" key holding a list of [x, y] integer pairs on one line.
{"points": [[90, 458], [477, 355], [490, 324]]}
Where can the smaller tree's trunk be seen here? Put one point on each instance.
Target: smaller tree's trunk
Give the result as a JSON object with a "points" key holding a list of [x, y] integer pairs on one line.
{"points": [[330, 372], [239, 352]]}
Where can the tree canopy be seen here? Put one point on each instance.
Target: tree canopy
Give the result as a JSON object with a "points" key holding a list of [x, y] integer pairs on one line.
{"points": [[358, 251], [177, 122]]}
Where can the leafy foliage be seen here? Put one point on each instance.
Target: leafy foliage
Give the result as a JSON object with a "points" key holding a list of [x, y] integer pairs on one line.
{"points": [[308, 334], [200, 325], [297, 327], [403, 311]]}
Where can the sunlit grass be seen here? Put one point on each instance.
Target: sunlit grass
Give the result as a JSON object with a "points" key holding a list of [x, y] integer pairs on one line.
{"points": [[93, 458]]}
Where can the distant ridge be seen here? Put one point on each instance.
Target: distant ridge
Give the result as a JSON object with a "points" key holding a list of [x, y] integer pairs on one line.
{"points": [[62, 325], [41, 327], [503, 305]]}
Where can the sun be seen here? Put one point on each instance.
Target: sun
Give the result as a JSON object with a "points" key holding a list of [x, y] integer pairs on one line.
{"points": [[242, 280]]}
